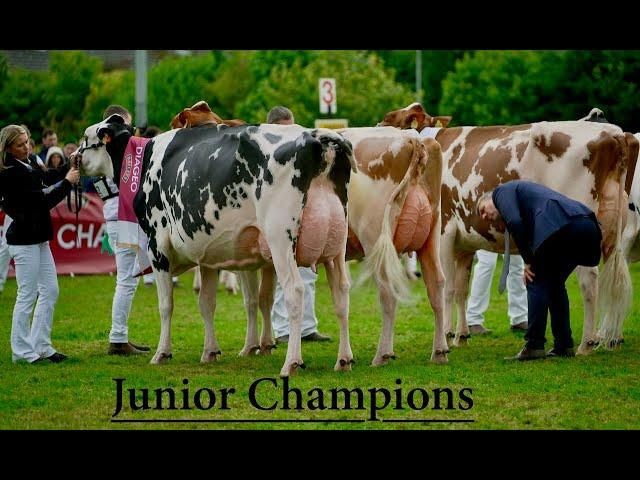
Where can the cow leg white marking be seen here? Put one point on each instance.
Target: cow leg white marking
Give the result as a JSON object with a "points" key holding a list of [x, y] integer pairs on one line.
{"points": [[588, 281], [447, 259], [433, 278], [249, 286], [293, 288], [164, 287], [339, 283], [207, 303], [463, 271], [197, 281], [388, 304], [267, 285]]}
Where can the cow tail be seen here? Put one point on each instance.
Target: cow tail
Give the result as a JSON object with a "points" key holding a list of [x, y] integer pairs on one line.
{"points": [[615, 289], [383, 262]]}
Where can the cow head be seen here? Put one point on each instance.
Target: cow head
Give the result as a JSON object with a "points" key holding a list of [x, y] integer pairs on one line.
{"points": [[103, 146], [199, 114], [414, 116]]}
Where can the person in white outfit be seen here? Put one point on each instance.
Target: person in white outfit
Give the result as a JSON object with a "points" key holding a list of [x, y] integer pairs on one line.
{"points": [[478, 301], [279, 314], [126, 283], [5, 257], [24, 198]]}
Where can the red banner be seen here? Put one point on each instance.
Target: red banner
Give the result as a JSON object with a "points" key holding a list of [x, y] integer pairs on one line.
{"points": [[76, 250]]}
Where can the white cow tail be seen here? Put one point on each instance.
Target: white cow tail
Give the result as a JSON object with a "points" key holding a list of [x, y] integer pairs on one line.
{"points": [[383, 262], [615, 289]]}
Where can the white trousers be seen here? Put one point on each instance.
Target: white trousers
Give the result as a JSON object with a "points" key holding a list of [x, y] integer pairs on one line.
{"points": [[5, 256], [37, 281], [478, 301], [279, 314], [125, 287]]}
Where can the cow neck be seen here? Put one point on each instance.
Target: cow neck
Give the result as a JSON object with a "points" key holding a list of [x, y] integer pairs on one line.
{"points": [[115, 149]]}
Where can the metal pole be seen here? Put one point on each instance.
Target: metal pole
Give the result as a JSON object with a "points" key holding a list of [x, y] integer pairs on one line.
{"points": [[141, 89], [419, 76]]}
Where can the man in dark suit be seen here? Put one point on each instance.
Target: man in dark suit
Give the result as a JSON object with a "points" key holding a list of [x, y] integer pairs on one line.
{"points": [[553, 234]]}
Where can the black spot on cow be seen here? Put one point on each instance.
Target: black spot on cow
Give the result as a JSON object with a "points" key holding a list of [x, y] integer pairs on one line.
{"points": [[272, 138]]}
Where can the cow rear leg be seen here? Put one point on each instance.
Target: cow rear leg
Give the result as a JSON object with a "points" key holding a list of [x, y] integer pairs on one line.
{"points": [[249, 287], [164, 287], [339, 283], [207, 303], [388, 303], [267, 285], [588, 281], [447, 260], [434, 281], [463, 272]]}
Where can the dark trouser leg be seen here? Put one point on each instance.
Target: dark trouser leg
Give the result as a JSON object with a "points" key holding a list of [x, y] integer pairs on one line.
{"points": [[538, 301], [559, 310]]}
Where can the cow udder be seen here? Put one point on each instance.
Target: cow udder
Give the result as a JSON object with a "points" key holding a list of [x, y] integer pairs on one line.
{"points": [[414, 222]]}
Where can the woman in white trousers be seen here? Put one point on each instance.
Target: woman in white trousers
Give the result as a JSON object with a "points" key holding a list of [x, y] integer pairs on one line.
{"points": [[22, 185]]}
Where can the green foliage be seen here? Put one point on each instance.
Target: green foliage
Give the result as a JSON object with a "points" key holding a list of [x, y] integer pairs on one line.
{"points": [[233, 82], [435, 66], [263, 61], [4, 70], [71, 75], [22, 95], [365, 90], [607, 79], [114, 87], [500, 87], [176, 83]]}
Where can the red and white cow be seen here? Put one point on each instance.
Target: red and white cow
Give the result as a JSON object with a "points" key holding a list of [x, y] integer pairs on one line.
{"points": [[631, 234], [583, 160], [241, 197], [394, 208]]}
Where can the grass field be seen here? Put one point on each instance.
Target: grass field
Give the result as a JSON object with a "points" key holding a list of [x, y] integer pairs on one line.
{"points": [[601, 391]]}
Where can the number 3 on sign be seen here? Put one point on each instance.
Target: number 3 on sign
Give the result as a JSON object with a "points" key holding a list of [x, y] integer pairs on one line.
{"points": [[328, 97]]}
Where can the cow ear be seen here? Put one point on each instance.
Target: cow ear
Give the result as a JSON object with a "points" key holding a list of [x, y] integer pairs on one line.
{"points": [[202, 106], [441, 122], [115, 118], [417, 120]]}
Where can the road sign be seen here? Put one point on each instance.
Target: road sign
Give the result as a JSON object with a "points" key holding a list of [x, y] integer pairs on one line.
{"points": [[328, 98]]}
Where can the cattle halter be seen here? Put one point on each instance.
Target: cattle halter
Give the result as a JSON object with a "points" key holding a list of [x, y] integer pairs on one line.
{"points": [[96, 145]]}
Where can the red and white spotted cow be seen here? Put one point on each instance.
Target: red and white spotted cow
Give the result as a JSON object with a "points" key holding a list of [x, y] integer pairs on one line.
{"points": [[243, 198], [394, 207], [583, 160], [631, 234]]}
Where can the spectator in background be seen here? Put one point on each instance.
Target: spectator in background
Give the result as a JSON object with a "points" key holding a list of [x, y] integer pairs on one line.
{"points": [[68, 149], [28, 237], [49, 139], [279, 315], [55, 158]]}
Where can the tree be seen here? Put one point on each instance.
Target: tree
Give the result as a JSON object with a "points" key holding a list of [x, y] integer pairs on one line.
{"points": [[365, 89], [4, 70], [114, 87], [71, 76], [502, 87], [22, 95]]}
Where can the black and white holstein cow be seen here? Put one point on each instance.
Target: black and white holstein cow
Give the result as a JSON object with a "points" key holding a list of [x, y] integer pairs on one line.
{"points": [[239, 198]]}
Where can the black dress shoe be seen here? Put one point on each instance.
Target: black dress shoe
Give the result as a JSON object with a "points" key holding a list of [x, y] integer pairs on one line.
{"points": [[144, 348], [561, 352], [57, 357], [528, 354], [316, 337], [37, 360]]}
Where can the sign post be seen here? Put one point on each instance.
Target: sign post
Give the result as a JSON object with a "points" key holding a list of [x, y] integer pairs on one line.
{"points": [[328, 97]]}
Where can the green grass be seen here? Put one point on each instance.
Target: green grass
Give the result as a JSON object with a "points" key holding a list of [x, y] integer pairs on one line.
{"points": [[601, 391]]}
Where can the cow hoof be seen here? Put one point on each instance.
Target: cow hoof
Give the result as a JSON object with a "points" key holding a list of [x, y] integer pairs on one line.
{"points": [[440, 357], [344, 365], [290, 371], [460, 340], [161, 357], [249, 351], [208, 357], [383, 359], [266, 349], [587, 348]]}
